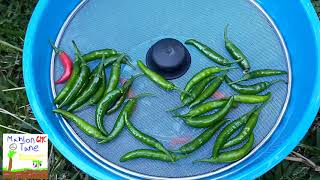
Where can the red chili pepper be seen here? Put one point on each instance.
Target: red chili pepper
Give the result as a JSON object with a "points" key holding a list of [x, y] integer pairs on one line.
{"points": [[66, 62]]}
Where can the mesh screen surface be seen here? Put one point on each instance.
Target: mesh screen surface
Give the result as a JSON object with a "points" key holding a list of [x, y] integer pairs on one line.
{"points": [[132, 27]]}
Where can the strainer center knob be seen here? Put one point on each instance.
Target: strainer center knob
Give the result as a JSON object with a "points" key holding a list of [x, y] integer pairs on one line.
{"points": [[169, 57]]}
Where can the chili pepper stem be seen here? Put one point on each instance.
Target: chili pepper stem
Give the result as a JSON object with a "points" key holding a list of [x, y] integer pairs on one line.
{"points": [[131, 65], [237, 81], [224, 74], [179, 152], [175, 108], [142, 95], [259, 108], [175, 114], [183, 91], [129, 61], [127, 56], [102, 141], [278, 81], [271, 83], [138, 75], [79, 108], [234, 62], [210, 160], [181, 157], [100, 68], [78, 53], [121, 57], [229, 68], [75, 47], [56, 50], [134, 77], [178, 115], [176, 151]]}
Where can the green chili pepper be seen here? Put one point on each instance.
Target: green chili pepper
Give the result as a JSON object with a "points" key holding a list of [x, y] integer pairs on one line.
{"points": [[247, 130], [210, 71], [236, 53], [127, 85], [229, 130], [70, 83], [144, 138], [158, 79], [81, 124], [231, 156], [103, 105], [126, 112], [206, 107], [118, 126], [93, 73], [98, 54], [251, 89], [89, 91], [251, 99], [83, 87], [201, 139], [82, 79], [212, 88], [150, 154], [114, 78], [260, 73], [126, 60], [195, 92], [99, 94], [209, 120], [210, 53], [114, 75]]}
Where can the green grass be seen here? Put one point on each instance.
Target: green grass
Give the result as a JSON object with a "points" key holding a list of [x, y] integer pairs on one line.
{"points": [[16, 115], [15, 112], [26, 169]]}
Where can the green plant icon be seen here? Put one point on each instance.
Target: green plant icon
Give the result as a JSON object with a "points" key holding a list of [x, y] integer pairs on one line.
{"points": [[11, 153]]}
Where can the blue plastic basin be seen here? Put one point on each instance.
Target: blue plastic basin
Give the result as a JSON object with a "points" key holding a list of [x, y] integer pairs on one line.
{"points": [[300, 31]]}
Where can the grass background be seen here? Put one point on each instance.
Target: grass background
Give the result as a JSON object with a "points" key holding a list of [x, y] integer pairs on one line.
{"points": [[16, 115]]}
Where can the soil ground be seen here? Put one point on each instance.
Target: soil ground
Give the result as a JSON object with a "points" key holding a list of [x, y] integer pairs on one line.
{"points": [[28, 174]]}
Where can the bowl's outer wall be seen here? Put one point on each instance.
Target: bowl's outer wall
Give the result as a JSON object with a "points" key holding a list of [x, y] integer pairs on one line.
{"points": [[46, 21], [301, 33], [300, 30]]}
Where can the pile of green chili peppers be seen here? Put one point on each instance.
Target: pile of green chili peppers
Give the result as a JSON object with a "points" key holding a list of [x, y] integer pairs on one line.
{"points": [[206, 82], [86, 87], [94, 88]]}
